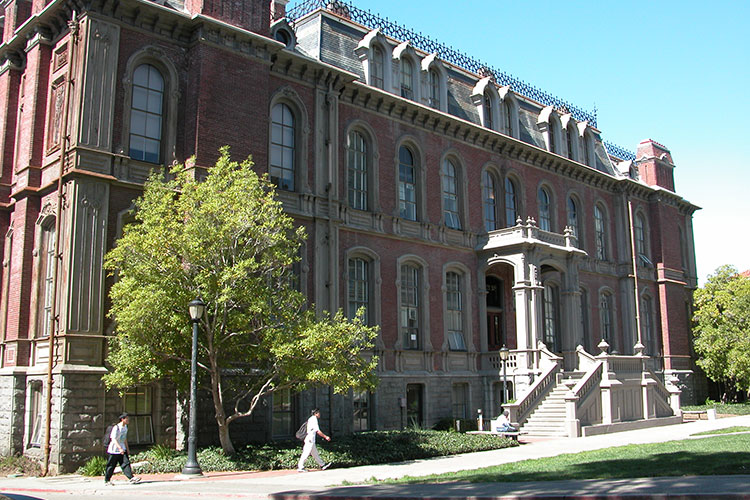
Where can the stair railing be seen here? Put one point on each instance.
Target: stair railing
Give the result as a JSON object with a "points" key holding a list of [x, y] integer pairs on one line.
{"points": [[551, 365]]}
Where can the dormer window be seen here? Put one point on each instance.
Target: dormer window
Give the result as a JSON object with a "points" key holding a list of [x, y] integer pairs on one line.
{"points": [[488, 122], [407, 79], [376, 68], [434, 79]]}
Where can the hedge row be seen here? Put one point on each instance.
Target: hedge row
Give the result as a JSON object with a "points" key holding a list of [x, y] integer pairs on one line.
{"points": [[365, 448]]}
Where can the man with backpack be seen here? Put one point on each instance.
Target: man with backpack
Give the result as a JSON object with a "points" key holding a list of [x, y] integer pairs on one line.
{"points": [[312, 430], [119, 452]]}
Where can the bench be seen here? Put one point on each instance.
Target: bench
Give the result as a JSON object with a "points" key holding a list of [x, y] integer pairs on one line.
{"points": [[690, 415]]}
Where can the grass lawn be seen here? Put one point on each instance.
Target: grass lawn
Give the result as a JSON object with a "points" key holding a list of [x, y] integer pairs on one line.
{"points": [[726, 454], [723, 408], [727, 430]]}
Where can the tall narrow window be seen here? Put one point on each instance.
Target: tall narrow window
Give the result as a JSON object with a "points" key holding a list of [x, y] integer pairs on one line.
{"points": [[361, 407], [450, 196], [551, 130], [407, 79], [460, 401], [359, 294], [600, 233], [146, 114], [639, 234], [495, 311], [490, 201], [550, 305], [36, 414], [587, 341], [573, 218], [571, 135], [48, 272], [410, 306], [137, 403], [434, 89], [683, 249], [282, 422], [545, 215], [605, 317], [282, 147], [454, 313], [508, 116], [511, 207], [488, 111], [648, 335], [376, 67], [357, 168], [407, 189]]}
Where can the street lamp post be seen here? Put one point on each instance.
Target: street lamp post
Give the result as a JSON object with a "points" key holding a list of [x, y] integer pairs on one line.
{"points": [[192, 468], [504, 353]]}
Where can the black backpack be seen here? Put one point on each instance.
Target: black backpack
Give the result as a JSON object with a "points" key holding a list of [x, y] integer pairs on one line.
{"points": [[302, 431], [106, 437]]}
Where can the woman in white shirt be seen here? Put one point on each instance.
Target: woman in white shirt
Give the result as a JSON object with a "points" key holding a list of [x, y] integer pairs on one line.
{"points": [[119, 452]]}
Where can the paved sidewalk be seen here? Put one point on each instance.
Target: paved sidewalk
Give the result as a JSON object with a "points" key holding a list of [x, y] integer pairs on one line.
{"points": [[285, 485]]}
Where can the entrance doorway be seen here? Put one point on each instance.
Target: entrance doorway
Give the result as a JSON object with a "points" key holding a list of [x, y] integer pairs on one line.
{"points": [[414, 405]]}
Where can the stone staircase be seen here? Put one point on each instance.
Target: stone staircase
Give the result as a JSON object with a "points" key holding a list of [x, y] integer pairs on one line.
{"points": [[548, 419]]}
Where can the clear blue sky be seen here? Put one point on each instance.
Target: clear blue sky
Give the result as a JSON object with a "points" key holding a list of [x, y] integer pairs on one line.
{"points": [[677, 72]]}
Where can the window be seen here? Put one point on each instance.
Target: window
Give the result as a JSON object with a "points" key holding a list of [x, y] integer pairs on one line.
{"points": [[36, 414], [282, 147], [283, 422], [572, 137], [587, 343], [146, 114], [434, 78], [488, 111], [414, 405], [551, 131], [359, 293], [450, 196], [495, 313], [407, 79], [511, 207], [639, 234], [545, 215], [460, 401], [648, 333], [137, 403], [47, 274], [376, 67], [508, 117], [683, 249], [600, 233], [454, 312], [605, 317], [361, 406], [407, 189], [550, 303], [490, 201], [573, 218], [410, 305], [357, 165]]}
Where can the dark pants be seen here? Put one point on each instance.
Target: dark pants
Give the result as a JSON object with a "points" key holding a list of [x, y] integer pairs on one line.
{"points": [[121, 459]]}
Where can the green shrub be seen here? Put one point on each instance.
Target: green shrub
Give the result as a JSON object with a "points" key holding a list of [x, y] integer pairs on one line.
{"points": [[364, 448], [94, 467]]}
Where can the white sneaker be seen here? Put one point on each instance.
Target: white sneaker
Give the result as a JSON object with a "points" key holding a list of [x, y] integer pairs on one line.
{"points": [[325, 466], [301, 470], [108, 483], [135, 480]]}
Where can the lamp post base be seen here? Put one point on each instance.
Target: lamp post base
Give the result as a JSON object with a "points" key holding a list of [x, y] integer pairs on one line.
{"points": [[191, 470]]}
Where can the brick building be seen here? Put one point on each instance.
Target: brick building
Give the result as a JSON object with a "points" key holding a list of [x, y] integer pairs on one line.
{"points": [[463, 208]]}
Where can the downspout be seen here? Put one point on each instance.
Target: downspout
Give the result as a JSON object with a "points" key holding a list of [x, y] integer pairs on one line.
{"points": [[639, 345], [54, 316], [332, 276]]}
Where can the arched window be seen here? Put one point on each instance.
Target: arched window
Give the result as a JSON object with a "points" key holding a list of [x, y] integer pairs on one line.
{"points": [[606, 318], [488, 122], [511, 207], [356, 160], [407, 188], [47, 275], [545, 214], [146, 114], [376, 67], [359, 288], [450, 196], [585, 331], [434, 78], [600, 233], [495, 313], [489, 196], [639, 233], [454, 312], [552, 131], [572, 137], [282, 165], [551, 300], [410, 306], [573, 218], [507, 117], [407, 79], [648, 333]]}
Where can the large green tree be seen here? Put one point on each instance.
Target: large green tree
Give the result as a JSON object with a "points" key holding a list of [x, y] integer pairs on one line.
{"points": [[722, 328], [226, 240]]}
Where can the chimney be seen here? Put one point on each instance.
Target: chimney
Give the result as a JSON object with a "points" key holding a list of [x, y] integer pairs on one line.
{"points": [[251, 15], [278, 10], [655, 164]]}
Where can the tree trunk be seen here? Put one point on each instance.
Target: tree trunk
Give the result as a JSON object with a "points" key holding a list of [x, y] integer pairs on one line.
{"points": [[225, 440], [221, 416]]}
